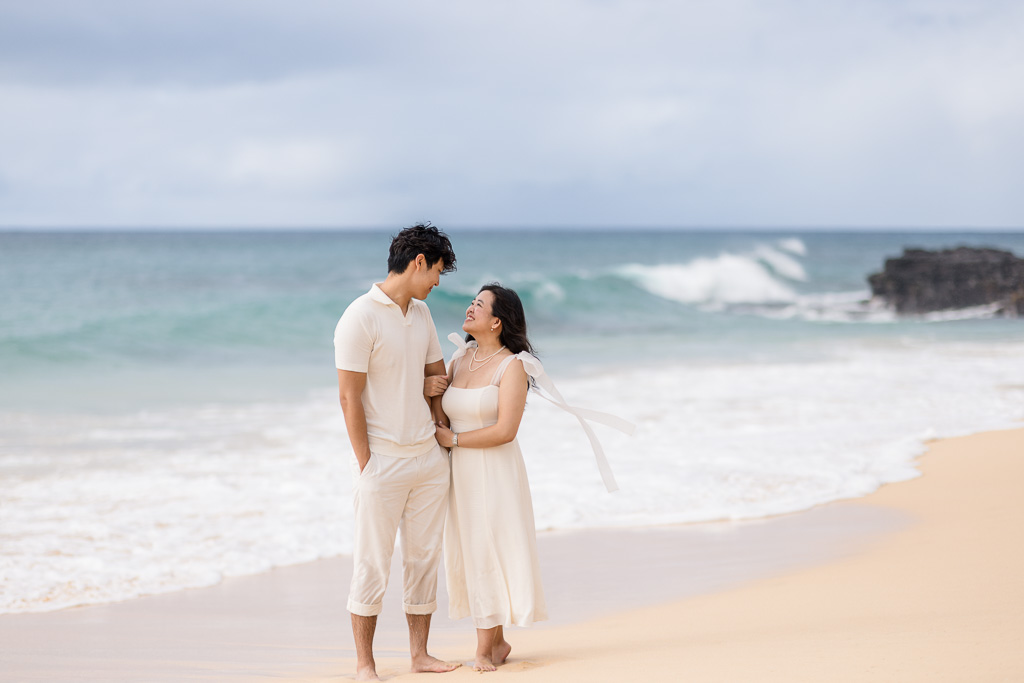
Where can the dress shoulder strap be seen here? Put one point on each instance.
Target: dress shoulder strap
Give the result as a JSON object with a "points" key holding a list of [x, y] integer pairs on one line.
{"points": [[459, 354], [547, 389], [496, 380]]}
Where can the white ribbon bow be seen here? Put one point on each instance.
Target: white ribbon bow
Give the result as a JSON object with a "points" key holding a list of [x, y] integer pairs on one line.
{"points": [[546, 388]]}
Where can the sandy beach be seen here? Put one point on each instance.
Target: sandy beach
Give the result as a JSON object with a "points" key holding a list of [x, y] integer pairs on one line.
{"points": [[917, 582], [940, 600]]}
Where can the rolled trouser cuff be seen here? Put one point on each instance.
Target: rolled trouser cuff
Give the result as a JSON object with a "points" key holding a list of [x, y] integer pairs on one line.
{"points": [[362, 610], [428, 608]]}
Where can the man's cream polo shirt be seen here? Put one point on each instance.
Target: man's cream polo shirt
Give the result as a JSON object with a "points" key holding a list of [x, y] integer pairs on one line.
{"points": [[392, 349]]}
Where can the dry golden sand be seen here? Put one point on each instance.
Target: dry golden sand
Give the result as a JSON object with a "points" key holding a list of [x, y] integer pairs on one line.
{"points": [[940, 600]]}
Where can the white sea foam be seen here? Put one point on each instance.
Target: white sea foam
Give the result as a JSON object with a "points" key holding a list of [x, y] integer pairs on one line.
{"points": [[752, 440], [860, 307], [97, 510], [981, 312], [758, 282], [724, 279], [167, 500], [793, 245], [761, 275], [537, 284], [781, 264]]}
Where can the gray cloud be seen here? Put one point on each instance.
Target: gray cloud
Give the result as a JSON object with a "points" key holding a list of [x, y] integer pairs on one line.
{"points": [[188, 42], [611, 113]]}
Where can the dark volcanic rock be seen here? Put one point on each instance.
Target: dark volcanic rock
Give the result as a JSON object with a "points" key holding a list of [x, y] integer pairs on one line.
{"points": [[921, 281]]}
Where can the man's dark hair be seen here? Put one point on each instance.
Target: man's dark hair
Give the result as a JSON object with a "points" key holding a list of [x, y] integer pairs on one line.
{"points": [[422, 238]]}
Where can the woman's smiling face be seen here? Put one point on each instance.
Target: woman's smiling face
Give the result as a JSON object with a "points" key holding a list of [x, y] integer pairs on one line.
{"points": [[478, 315]]}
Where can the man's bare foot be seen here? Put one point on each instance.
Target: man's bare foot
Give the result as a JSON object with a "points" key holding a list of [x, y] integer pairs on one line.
{"points": [[428, 664], [483, 664], [499, 653], [367, 673]]}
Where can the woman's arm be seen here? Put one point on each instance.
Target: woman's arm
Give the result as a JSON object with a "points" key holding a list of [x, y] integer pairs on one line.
{"points": [[435, 372], [511, 402]]}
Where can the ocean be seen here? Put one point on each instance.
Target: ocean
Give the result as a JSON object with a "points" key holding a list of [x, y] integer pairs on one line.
{"points": [[169, 412]]}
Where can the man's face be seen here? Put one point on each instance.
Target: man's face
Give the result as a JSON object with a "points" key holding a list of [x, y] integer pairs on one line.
{"points": [[427, 277]]}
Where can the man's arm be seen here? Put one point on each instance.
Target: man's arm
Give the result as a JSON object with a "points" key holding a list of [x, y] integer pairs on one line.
{"points": [[436, 369], [512, 392], [350, 391]]}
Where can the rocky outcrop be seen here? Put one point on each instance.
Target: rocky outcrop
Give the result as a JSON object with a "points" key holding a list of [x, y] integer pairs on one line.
{"points": [[921, 281]]}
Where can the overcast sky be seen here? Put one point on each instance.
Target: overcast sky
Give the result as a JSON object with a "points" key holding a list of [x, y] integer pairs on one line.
{"points": [[788, 113]]}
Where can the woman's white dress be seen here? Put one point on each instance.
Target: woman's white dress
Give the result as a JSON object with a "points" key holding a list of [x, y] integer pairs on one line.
{"points": [[490, 544]]}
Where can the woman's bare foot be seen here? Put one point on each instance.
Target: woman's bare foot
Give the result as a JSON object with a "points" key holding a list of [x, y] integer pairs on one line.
{"points": [[499, 653], [483, 663], [428, 664]]}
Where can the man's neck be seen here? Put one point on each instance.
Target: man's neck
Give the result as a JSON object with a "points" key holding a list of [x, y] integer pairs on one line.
{"points": [[397, 290]]}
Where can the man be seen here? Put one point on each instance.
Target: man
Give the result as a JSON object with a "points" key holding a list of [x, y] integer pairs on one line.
{"points": [[385, 345]]}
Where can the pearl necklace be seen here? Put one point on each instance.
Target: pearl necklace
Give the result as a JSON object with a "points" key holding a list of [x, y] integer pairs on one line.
{"points": [[484, 361]]}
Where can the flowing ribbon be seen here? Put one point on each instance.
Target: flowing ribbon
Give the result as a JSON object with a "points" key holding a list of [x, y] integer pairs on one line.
{"points": [[546, 388]]}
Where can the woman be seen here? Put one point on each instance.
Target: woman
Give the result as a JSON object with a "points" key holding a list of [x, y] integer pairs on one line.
{"points": [[490, 540]]}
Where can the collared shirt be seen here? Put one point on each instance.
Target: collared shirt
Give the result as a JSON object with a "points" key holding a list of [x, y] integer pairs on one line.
{"points": [[373, 336]]}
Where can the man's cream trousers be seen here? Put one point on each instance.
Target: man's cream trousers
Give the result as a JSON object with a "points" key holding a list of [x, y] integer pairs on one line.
{"points": [[410, 494]]}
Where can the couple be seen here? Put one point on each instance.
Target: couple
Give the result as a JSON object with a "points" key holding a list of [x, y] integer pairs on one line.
{"points": [[390, 365], [397, 399]]}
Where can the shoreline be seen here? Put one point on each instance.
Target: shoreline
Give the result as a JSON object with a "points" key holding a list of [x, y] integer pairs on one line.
{"points": [[853, 590], [291, 622], [940, 600], [104, 507]]}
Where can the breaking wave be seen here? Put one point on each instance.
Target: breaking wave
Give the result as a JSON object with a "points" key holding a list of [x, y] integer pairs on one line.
{"points": [[765, 274]]}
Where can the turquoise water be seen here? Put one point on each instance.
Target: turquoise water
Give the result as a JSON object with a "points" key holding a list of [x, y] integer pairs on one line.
{"points": [[175, 317], [169, 415]]}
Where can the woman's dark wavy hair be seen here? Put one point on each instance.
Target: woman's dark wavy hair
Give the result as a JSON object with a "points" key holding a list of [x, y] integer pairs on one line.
{"points": [[508, 308], [422, 238]]}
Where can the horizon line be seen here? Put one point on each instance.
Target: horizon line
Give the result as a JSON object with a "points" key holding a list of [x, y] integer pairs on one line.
{"points": [[509, 228]]}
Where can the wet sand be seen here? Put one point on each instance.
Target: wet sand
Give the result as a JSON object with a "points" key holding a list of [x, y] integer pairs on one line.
{"points": [[291, 623]]}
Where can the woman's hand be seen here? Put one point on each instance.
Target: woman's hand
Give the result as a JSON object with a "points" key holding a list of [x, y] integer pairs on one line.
{"points": [[434, 385], [443, 434]]}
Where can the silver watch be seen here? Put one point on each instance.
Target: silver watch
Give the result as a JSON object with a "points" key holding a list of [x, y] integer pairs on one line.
{"points": [[455, 440]]}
